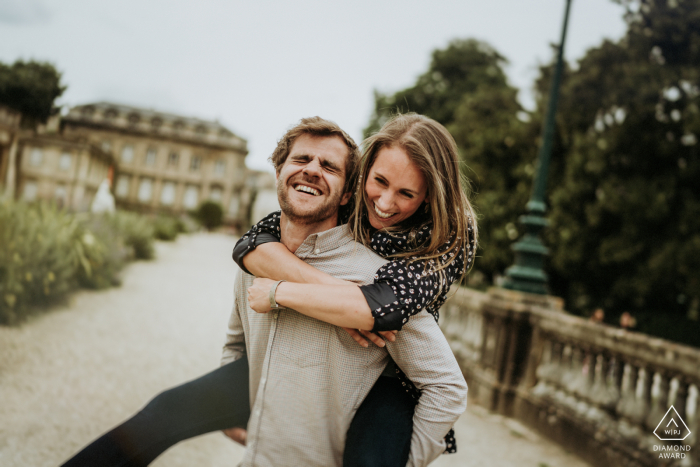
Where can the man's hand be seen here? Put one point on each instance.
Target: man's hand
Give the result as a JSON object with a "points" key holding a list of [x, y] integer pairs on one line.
{"points": [[259, 295], [358, 333], [238, 434]]}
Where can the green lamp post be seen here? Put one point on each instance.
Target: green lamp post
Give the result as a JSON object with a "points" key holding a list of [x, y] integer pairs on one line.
{"points": [[527, 274]]}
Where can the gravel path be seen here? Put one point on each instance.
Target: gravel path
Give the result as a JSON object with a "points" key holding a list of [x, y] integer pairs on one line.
{"points": [[69, 375]]}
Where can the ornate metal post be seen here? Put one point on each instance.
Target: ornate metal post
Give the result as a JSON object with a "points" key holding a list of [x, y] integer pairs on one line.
{"points": [[527, 274]]}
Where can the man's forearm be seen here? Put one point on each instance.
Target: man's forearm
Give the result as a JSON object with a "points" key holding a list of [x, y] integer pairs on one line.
{"points": [[274, 261]]}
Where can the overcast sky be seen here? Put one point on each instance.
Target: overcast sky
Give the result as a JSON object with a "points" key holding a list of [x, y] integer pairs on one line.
{"points": [[259, 66]]}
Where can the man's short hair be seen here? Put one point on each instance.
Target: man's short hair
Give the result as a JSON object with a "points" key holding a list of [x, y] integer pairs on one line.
{"points": [[317, 126]]}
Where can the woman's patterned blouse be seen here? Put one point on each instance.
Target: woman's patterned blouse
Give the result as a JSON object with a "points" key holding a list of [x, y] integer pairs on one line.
{"points": [[416, 284]]}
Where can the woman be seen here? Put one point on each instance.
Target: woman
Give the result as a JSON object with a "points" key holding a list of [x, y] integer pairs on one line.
{"points": [[411, 209], [421, 219]]}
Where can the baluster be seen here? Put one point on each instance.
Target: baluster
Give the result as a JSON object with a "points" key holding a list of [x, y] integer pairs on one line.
{"points": [[644, 406], [617, 372], [681, 399], [607, 396], [567, 362], [626, 405], [548, 370], [659, 404], [576, 380]]}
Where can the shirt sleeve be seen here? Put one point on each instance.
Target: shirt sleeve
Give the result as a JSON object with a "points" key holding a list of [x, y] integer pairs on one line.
{"points": [[414, 287], [265, 231], [424, 355], [234, 346]]}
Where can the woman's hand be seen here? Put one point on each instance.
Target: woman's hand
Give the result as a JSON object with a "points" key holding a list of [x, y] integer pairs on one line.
{"points": [[239, 435], [378, 341], [259, 295]]}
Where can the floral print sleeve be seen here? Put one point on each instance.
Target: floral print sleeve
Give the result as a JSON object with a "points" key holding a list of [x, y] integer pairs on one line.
{"points": [[415, 284], [267, 230]]}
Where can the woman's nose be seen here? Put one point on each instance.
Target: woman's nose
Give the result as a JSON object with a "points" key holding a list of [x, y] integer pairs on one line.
{"points": [[385, 201]]}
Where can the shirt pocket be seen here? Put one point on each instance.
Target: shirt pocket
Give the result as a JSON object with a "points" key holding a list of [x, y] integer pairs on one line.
{"points": [[302, 340]]}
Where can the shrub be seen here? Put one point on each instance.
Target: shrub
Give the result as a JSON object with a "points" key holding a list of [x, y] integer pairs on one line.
{"points": [[41, 249], [106, 255], [45, 252], [210, 214], [166, 227], [137, 232]]}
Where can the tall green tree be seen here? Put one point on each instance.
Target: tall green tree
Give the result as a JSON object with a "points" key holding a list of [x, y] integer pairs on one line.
{"points": [[31, 89], [625, 209]]}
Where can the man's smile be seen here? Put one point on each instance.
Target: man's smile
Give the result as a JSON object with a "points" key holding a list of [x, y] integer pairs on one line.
{"points": [[307, 189]]}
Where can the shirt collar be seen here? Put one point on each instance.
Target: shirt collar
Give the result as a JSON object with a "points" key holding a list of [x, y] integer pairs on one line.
{"points": [[327, 240]]}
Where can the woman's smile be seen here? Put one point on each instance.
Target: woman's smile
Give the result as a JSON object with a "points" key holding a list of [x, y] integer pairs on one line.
{"points": [[395, 188]]}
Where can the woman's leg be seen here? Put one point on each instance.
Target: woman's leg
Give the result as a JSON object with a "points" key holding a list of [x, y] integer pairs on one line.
{"points": [[216, 401], [380, 433]]}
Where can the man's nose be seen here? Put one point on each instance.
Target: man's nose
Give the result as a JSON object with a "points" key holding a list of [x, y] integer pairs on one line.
{"points": [[312, 169]]}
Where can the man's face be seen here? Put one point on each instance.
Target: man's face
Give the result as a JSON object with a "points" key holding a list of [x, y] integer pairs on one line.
{"points": [[310, 182]]}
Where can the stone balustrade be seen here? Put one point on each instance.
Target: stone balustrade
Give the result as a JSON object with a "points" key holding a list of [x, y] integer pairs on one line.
{"points": [[598, 390]]}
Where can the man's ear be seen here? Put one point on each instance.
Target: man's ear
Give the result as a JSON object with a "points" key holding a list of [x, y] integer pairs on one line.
{"points": [[346, 197]]}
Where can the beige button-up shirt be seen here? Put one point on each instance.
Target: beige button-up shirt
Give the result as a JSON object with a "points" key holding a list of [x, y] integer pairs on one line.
{"points": [[307, 377]]}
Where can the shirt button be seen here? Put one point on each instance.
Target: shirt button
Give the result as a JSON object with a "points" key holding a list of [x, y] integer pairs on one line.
{"points": [[317, 251]]}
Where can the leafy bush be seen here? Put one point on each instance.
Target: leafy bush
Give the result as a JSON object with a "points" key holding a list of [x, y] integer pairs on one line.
{"points": [[45, 252], [136, 230], [210, 214], [40, 251], [167, 227]]}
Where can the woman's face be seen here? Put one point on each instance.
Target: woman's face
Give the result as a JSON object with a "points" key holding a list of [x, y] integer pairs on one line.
{"points": [[395, 188]]}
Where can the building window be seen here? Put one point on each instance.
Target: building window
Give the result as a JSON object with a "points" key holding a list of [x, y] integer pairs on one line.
{"points": [[195, 163], [64, 162], [122, 188], [61, 195], [191, 197], [151, 157], [29, 191], [36, 157], [220, 167], [127, 154], [145, 190], [216, 193], [233, 207], [167, 194], [173, 159], [106, 145]]}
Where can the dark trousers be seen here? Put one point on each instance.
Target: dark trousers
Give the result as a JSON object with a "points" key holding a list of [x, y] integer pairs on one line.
{"points": [[379, 435]]}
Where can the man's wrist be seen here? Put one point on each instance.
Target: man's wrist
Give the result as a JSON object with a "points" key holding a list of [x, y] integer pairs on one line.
{"points": [[273, 290]]}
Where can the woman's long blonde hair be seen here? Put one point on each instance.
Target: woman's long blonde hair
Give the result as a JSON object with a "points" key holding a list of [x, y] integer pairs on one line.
{"points": [[431, 147]]}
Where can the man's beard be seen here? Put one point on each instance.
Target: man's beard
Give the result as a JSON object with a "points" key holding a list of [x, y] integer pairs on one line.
{"points": [[321, 213]]}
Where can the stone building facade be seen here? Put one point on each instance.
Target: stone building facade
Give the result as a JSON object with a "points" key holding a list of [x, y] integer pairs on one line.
{"points": [[67, 171], [166, 162]]}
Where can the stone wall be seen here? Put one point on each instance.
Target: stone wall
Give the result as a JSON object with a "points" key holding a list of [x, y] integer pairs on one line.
{"points": [[599, 391]]}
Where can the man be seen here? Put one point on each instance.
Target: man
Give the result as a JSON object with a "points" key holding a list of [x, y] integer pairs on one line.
{"points": [[307, 377]]}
